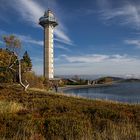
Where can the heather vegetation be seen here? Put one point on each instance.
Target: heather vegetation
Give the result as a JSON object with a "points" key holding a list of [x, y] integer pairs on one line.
{"points": [[40, 115]]}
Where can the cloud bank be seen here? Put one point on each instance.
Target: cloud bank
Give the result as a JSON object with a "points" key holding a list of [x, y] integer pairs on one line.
{"points": [[133, 42], [98, 64]]}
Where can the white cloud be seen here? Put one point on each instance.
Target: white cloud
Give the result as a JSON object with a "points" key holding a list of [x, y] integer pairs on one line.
{"points": [[61, 47], [31, 11], [93, 64], [96, 58], [98, 64], [64, 41], [127, 14], [133, 42], [62, 37]]}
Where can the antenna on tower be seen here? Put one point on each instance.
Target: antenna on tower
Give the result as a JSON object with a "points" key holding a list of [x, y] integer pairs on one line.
{"points": [[48, 2]]}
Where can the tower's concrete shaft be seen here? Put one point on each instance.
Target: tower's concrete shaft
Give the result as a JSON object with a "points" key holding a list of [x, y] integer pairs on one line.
{"points": [[48, 22]]}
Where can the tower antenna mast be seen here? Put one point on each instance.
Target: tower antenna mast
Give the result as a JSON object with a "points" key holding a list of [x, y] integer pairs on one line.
{"points": [[48, 2]]}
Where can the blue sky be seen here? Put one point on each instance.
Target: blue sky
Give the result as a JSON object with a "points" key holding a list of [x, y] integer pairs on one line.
{"points": [[93, 37]]}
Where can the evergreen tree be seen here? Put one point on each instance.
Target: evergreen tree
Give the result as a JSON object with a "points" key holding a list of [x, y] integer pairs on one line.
{"points": [[26, 62]]}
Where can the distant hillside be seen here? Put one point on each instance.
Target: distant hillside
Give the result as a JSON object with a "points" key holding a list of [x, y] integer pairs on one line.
{"points": [[108, 79]]}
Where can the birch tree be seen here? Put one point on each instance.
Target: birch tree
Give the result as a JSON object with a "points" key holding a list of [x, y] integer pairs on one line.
{"points": [[13, 44]]}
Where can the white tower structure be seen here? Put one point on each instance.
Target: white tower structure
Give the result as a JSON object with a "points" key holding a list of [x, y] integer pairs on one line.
{"points": [[48, 22]]}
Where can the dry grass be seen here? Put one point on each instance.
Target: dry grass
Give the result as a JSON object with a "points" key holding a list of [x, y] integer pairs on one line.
{"points": [[38, 115], [9, 107]]}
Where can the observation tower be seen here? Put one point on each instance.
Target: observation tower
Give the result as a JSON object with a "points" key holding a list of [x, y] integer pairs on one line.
{"points": [[48, 22]]}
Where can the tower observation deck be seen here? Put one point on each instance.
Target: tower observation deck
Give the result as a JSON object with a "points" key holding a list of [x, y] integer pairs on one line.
{"points": [[48, 22]]}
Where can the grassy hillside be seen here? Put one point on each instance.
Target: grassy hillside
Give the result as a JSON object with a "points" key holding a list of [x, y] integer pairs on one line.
{"points": [[38, 115]]}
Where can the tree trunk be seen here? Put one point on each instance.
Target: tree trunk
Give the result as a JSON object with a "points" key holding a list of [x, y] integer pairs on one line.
{"points": [[20, 77], [25, 87]]}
